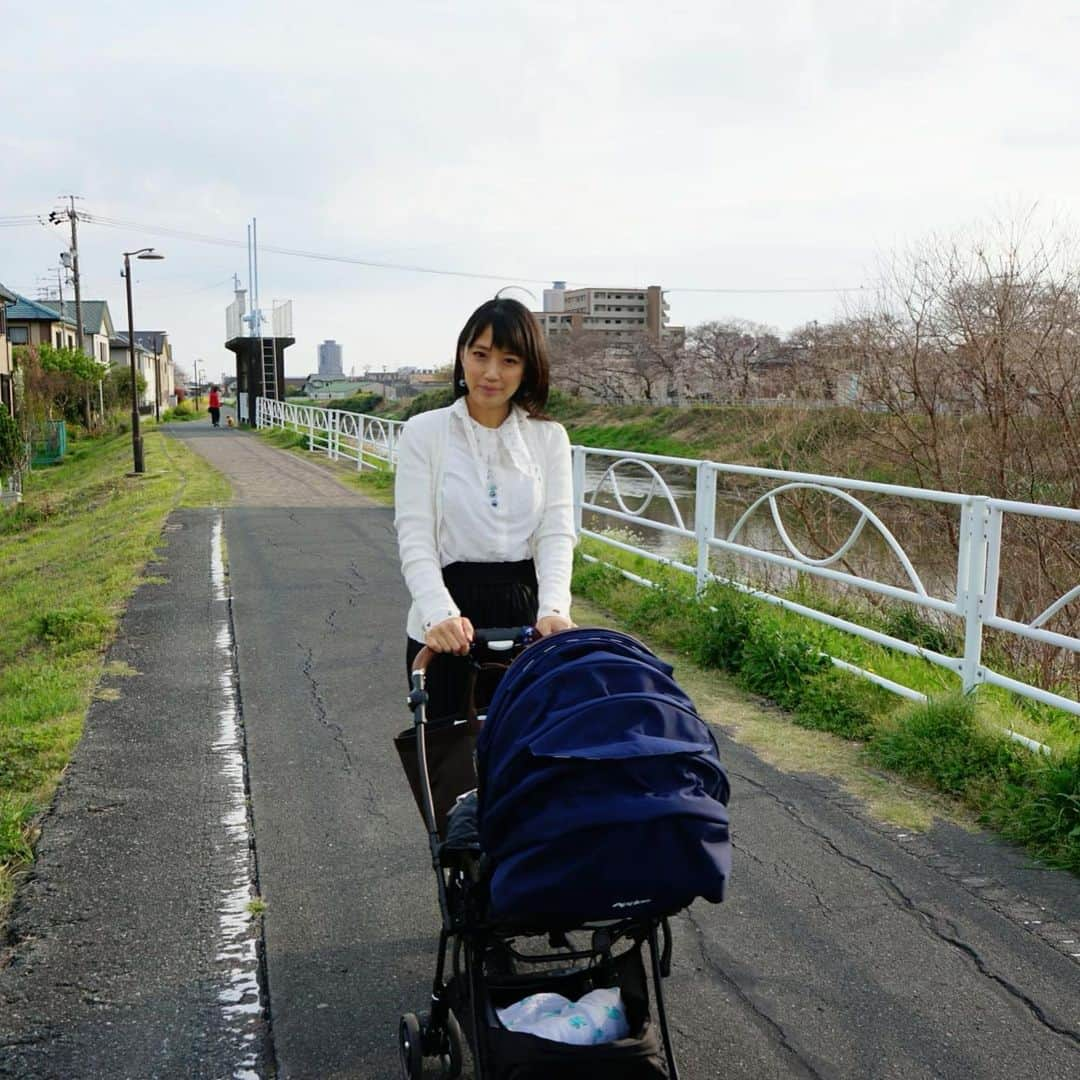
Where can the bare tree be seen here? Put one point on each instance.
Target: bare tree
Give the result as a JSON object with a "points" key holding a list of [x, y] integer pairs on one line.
{"points": [[723, 357]]}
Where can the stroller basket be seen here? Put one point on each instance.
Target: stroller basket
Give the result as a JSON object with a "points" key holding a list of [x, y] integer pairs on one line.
{"points": [[521, 1056]]}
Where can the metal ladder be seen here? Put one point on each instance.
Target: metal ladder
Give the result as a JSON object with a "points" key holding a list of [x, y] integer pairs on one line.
{"points": [[269, 364]]}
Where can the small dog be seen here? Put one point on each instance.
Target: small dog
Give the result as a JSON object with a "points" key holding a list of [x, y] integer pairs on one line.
{"points": [[229, 422]]}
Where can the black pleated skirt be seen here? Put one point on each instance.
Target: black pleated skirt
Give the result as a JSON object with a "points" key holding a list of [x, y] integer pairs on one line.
{"points": [[488, 594]]}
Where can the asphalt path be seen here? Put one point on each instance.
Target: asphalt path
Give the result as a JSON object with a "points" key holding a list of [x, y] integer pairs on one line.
{"points": [[845, 949]]}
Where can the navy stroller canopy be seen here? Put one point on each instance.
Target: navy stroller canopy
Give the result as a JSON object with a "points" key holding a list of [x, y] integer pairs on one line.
{"points": [[601, 792]]}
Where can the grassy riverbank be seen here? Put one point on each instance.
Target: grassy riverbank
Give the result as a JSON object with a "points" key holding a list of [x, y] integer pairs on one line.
{"points": [[70, 556]]}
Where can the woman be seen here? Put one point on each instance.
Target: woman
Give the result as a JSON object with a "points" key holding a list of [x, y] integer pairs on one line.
{"points": [[215, 406], [484, 502]]}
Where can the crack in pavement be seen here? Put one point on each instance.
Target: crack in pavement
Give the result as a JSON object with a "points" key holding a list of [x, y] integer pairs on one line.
{"points": [[937, 926], [321, 715], [338, 734], [773, 1026]]}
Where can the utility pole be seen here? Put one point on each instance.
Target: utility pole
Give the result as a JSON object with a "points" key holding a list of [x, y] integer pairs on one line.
{"points": [[73, 218]]}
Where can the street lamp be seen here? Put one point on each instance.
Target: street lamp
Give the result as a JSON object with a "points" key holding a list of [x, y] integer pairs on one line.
{"points": [[136, 436]]}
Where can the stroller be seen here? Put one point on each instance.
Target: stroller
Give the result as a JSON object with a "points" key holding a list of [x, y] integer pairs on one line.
{"points": [[599, 811]]}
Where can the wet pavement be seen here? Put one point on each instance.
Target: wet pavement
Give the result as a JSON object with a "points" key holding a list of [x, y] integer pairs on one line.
{"points": [[845, 949]]}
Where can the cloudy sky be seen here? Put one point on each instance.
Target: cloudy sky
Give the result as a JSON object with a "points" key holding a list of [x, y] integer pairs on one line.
{"points": [[780, 145]]}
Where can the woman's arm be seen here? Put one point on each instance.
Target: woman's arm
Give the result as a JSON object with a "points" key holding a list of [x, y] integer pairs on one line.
{"points": [[414, 518], [554, 539]]}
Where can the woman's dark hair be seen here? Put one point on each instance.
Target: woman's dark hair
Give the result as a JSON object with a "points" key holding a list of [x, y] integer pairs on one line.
{"points": [[514, 330]]}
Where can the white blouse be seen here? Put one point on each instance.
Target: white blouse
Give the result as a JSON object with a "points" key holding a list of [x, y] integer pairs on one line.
{"points": [[465, 493], [491, 506]]}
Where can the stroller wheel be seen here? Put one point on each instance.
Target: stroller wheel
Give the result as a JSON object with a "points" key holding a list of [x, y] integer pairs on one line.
{"points": [[453, 1056], [410, 1046]]}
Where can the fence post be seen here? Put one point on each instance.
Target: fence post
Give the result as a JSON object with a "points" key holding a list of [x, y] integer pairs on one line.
{"points": [[974, 542], [333, 426], [579, 485], [311, 428], [704, 519]]}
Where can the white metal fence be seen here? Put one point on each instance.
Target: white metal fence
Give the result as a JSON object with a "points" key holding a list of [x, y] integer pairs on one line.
{"points": [[369, 441], [641, 492]]}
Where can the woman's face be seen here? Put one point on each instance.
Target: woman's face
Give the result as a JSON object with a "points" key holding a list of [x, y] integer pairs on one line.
{"points": [[492, 376]]}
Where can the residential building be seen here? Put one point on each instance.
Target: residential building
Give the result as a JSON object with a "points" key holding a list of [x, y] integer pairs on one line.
{"points": [[120, 356], [7, 368], [157, 342], [97, 325], [330, 358], [617, 315], [32, 323]]}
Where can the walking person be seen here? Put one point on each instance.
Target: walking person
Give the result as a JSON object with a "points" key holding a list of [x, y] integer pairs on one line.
{"points": [[214, 405], [484, 500]]}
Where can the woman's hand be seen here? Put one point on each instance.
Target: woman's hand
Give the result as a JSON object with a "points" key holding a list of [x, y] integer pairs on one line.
{"points": [[552, 624], [450, 636]]}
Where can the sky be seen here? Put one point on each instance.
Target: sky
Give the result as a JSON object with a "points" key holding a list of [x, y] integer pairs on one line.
{"points": [[754, 148]]}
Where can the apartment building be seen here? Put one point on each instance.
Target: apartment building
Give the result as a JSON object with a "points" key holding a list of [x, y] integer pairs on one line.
{"points": [[616, 314]]}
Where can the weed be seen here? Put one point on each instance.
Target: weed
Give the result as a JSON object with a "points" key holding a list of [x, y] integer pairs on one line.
{"points": [[777, 661], [841, 703], [1043, 811], [724, 623], [942, 743]]}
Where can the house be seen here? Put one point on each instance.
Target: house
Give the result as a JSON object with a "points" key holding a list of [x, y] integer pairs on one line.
{"points": [[7, 386], [120, 356], [32, 323], [157, 342], [97, 325]]}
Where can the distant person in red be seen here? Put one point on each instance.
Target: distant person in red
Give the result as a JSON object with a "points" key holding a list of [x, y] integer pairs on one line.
{"points": [[215, 406]]}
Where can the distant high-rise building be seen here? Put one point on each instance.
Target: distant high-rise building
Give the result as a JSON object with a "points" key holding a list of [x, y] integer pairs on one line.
{"points": [[330, 358]]}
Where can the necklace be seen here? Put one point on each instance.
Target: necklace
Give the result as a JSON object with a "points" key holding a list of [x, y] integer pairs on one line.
{"points": [[485, 458]]}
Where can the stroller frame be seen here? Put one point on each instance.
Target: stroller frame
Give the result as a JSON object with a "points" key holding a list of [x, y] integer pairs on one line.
{"points": [[465, 932]]}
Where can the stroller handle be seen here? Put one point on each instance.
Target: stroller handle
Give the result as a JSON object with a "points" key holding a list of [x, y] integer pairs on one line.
{"points": [[497, 639]]}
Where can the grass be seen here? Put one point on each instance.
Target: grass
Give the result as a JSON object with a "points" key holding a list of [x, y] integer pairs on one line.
{"points": [[70, 556]]}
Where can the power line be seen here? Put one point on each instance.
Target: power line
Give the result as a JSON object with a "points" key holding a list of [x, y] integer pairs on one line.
{"points": [[374, 264]]}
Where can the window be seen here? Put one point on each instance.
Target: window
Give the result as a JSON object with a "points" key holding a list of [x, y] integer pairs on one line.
{"points": [[19, 335], [59, 337]]}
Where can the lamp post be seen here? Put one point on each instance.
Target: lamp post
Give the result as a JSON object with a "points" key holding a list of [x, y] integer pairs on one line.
{"points": [[197, 385], [136, 435]]}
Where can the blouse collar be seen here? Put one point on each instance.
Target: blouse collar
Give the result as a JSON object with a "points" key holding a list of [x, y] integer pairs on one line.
{"points": [[510, 434]]}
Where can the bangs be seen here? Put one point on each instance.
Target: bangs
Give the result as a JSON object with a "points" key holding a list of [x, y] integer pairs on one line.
{"points": [[507, 332]]}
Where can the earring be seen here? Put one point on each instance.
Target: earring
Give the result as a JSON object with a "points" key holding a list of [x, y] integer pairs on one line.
{"points": [[461, 383]]}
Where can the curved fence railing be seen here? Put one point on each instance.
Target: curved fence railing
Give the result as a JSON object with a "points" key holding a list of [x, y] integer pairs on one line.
{"points": [[369, 441], [766, 532]]}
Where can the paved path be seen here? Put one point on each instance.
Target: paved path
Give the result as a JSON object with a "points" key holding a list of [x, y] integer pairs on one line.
{"points": [[843, 951]]}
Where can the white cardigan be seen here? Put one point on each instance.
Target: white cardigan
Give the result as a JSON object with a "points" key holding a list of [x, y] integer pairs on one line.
{"points": [[418, 516]]}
